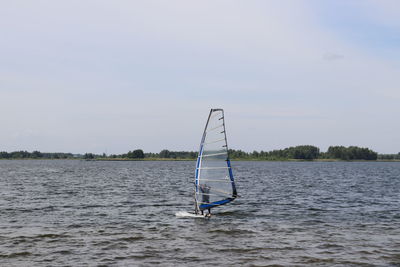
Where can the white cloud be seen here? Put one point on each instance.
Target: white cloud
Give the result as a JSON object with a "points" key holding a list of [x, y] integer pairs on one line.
{"points": [[93, 75]]}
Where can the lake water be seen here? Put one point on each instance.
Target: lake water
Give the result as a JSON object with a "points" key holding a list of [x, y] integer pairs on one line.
{"points": [[90, 213]]}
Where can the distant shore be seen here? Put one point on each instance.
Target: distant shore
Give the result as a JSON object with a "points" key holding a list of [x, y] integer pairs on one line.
{"points": [[179, 159], [297, 154]]}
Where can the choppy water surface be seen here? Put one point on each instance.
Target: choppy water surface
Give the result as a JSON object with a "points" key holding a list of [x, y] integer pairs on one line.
{"points": [[82, 213]]}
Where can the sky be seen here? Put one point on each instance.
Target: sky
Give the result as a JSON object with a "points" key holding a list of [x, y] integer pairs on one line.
{"points": [[112, 76]]}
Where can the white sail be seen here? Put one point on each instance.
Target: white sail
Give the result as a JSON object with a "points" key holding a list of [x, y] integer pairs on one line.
{"points": [[214, 184]]}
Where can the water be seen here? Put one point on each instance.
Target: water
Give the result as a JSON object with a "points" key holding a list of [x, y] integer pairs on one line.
{"points": [[87, 213]]}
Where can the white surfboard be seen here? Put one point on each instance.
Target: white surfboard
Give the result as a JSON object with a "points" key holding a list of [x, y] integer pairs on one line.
{"points": [[185, 214]]}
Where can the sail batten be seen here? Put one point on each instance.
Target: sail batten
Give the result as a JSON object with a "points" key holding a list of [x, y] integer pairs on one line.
{"points": [[215, 154], [216, 180], [214, 141], [215, 128], [213, 168], [214, 183]]}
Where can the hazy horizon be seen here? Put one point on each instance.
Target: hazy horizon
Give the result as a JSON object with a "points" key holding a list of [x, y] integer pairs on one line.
{"points": [[172, 150], [108, 77]]}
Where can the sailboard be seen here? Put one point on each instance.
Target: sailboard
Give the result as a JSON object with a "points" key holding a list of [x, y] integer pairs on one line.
{"points": [[185, 214], [214, 182]]}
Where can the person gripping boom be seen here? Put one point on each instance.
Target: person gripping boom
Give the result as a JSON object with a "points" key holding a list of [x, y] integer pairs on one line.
{"points": [[205, 192]]}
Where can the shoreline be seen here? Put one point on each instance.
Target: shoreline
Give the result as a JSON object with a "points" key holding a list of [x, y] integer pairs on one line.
{"points": [[171, 159]]}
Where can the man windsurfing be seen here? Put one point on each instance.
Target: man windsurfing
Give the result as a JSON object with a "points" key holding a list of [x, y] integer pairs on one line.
{"points": [[205, 192]]}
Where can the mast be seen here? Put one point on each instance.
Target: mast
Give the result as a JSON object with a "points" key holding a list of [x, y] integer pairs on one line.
{"points": [[198, 170]]}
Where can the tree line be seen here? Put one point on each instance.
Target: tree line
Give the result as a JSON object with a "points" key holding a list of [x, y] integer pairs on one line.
{"points": [[34, 155], [163, 154], [389, 156], [303, 152], [308, 152]]}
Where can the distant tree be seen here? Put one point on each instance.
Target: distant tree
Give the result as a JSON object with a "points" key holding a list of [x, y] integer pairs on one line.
{"points": [[238, 154], [306, 152], [88, 156], [20, 154], [149, 155], [263, 154], [336, 152], [36, 154], [164, 154], [4, 155], [136, 154], [193, 155], [351, 153]]}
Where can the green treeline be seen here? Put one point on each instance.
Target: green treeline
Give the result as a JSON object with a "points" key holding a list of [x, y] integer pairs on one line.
{"points": [[164, 154], [350, 153], [135, 154], [298, 152], [34, 155], [308, 152], [304, 152], [389, 156]]}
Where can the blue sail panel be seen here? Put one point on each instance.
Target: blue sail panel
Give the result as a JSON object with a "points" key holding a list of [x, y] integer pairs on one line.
{"points": [[214, 204]]}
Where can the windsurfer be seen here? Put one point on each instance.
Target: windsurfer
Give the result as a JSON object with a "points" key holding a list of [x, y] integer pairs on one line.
{"points": [[205, 190]]}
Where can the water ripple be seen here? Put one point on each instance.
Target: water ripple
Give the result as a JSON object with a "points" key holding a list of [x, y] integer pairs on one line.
{"points": [[63, 213]]}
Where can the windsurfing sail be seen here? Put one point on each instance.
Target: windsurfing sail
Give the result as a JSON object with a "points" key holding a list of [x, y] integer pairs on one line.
{"points": [[214, 184]]}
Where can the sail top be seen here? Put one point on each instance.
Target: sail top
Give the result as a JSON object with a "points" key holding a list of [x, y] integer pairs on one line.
{"points": [[214, 183]]}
